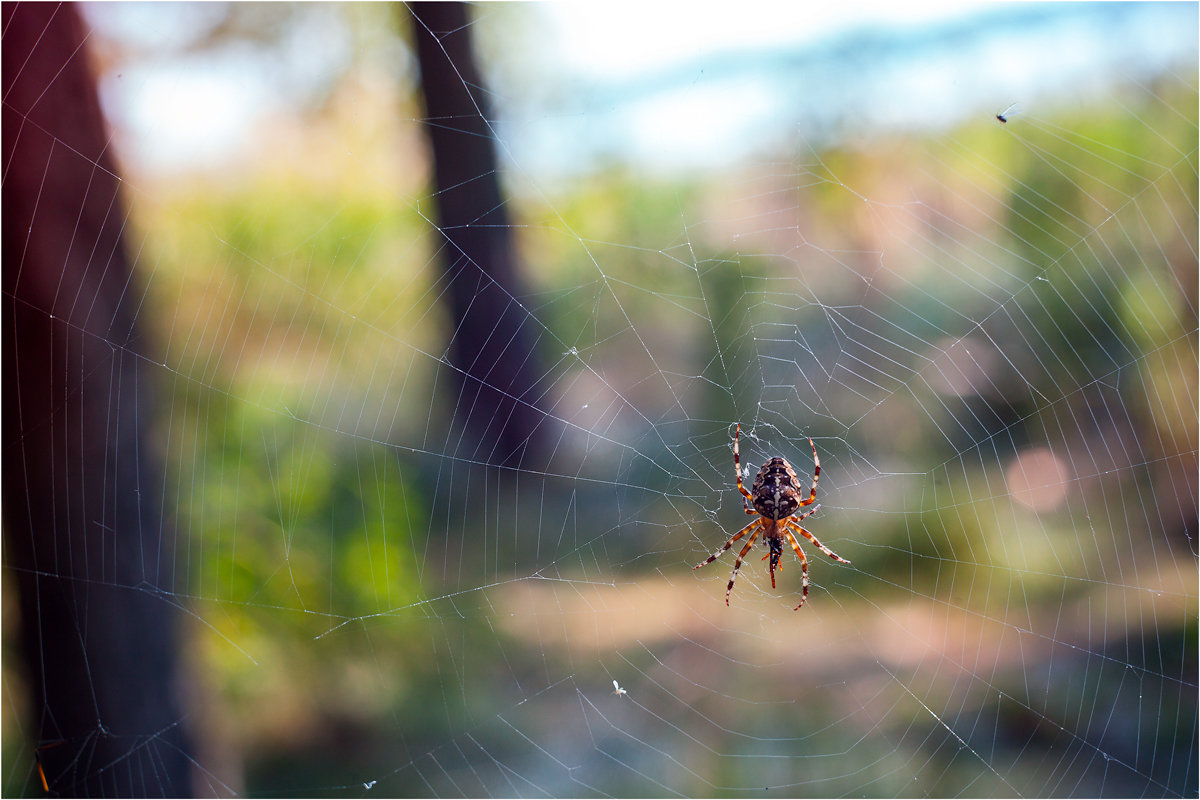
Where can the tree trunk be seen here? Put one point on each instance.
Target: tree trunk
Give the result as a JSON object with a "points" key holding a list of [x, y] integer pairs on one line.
{"points": [[85, 534], [494, 346]]}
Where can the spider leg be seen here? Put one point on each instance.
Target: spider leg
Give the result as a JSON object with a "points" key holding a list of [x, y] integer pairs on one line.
{"points": [[803, 568], [737, 467], [729, 543], [791, 523], [808, 513], [812, 494], [737, 564]]}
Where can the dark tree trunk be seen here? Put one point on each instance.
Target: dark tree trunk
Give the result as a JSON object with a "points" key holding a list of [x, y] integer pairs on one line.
{"points": [[84, 529], [493, 349]]}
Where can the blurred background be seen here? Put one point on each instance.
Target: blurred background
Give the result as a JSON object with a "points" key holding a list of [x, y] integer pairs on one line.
{"points": [[438, 333]]}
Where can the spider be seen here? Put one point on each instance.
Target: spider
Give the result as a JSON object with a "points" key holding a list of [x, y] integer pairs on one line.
{"points": [[777, 496]]}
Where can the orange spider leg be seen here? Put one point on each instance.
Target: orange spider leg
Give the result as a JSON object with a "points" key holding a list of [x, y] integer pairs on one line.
{"points": [[776, 567], [794, 526], [794, 519], [737, 564], [729, 543], [812, 493], [803, 567], [737, 467], [38, 760]]}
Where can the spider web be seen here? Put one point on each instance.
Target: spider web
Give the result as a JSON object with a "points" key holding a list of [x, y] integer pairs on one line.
{"points": [[987, 328]]}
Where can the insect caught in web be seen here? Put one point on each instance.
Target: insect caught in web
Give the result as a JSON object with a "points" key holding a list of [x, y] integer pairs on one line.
{"points": [[1009, 112], [776, 496]]}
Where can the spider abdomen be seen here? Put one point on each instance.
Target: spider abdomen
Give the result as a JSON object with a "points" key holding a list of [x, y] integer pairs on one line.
{"points": [[776, 489]]}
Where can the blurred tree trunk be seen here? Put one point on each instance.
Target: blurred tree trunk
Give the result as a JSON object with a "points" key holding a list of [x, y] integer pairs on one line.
{"points": [[494, 345], [84, 530]]}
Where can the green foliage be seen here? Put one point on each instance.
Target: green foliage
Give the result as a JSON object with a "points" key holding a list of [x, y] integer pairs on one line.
{"points": [[285, 303]]}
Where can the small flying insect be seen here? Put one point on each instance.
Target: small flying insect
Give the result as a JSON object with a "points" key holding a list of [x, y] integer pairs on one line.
{"points": [[1011, 111], [617, 690]]}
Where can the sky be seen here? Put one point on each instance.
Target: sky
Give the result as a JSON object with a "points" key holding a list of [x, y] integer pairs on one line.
{"points": [[667, 84], [703, 88], [597, 37]]}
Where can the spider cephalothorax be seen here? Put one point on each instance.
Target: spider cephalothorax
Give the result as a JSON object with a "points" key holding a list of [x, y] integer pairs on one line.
{"points": [[777, 495]]}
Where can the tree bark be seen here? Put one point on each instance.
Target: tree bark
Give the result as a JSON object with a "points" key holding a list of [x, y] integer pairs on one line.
{"points": [[85, 534], [494, 346]]}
